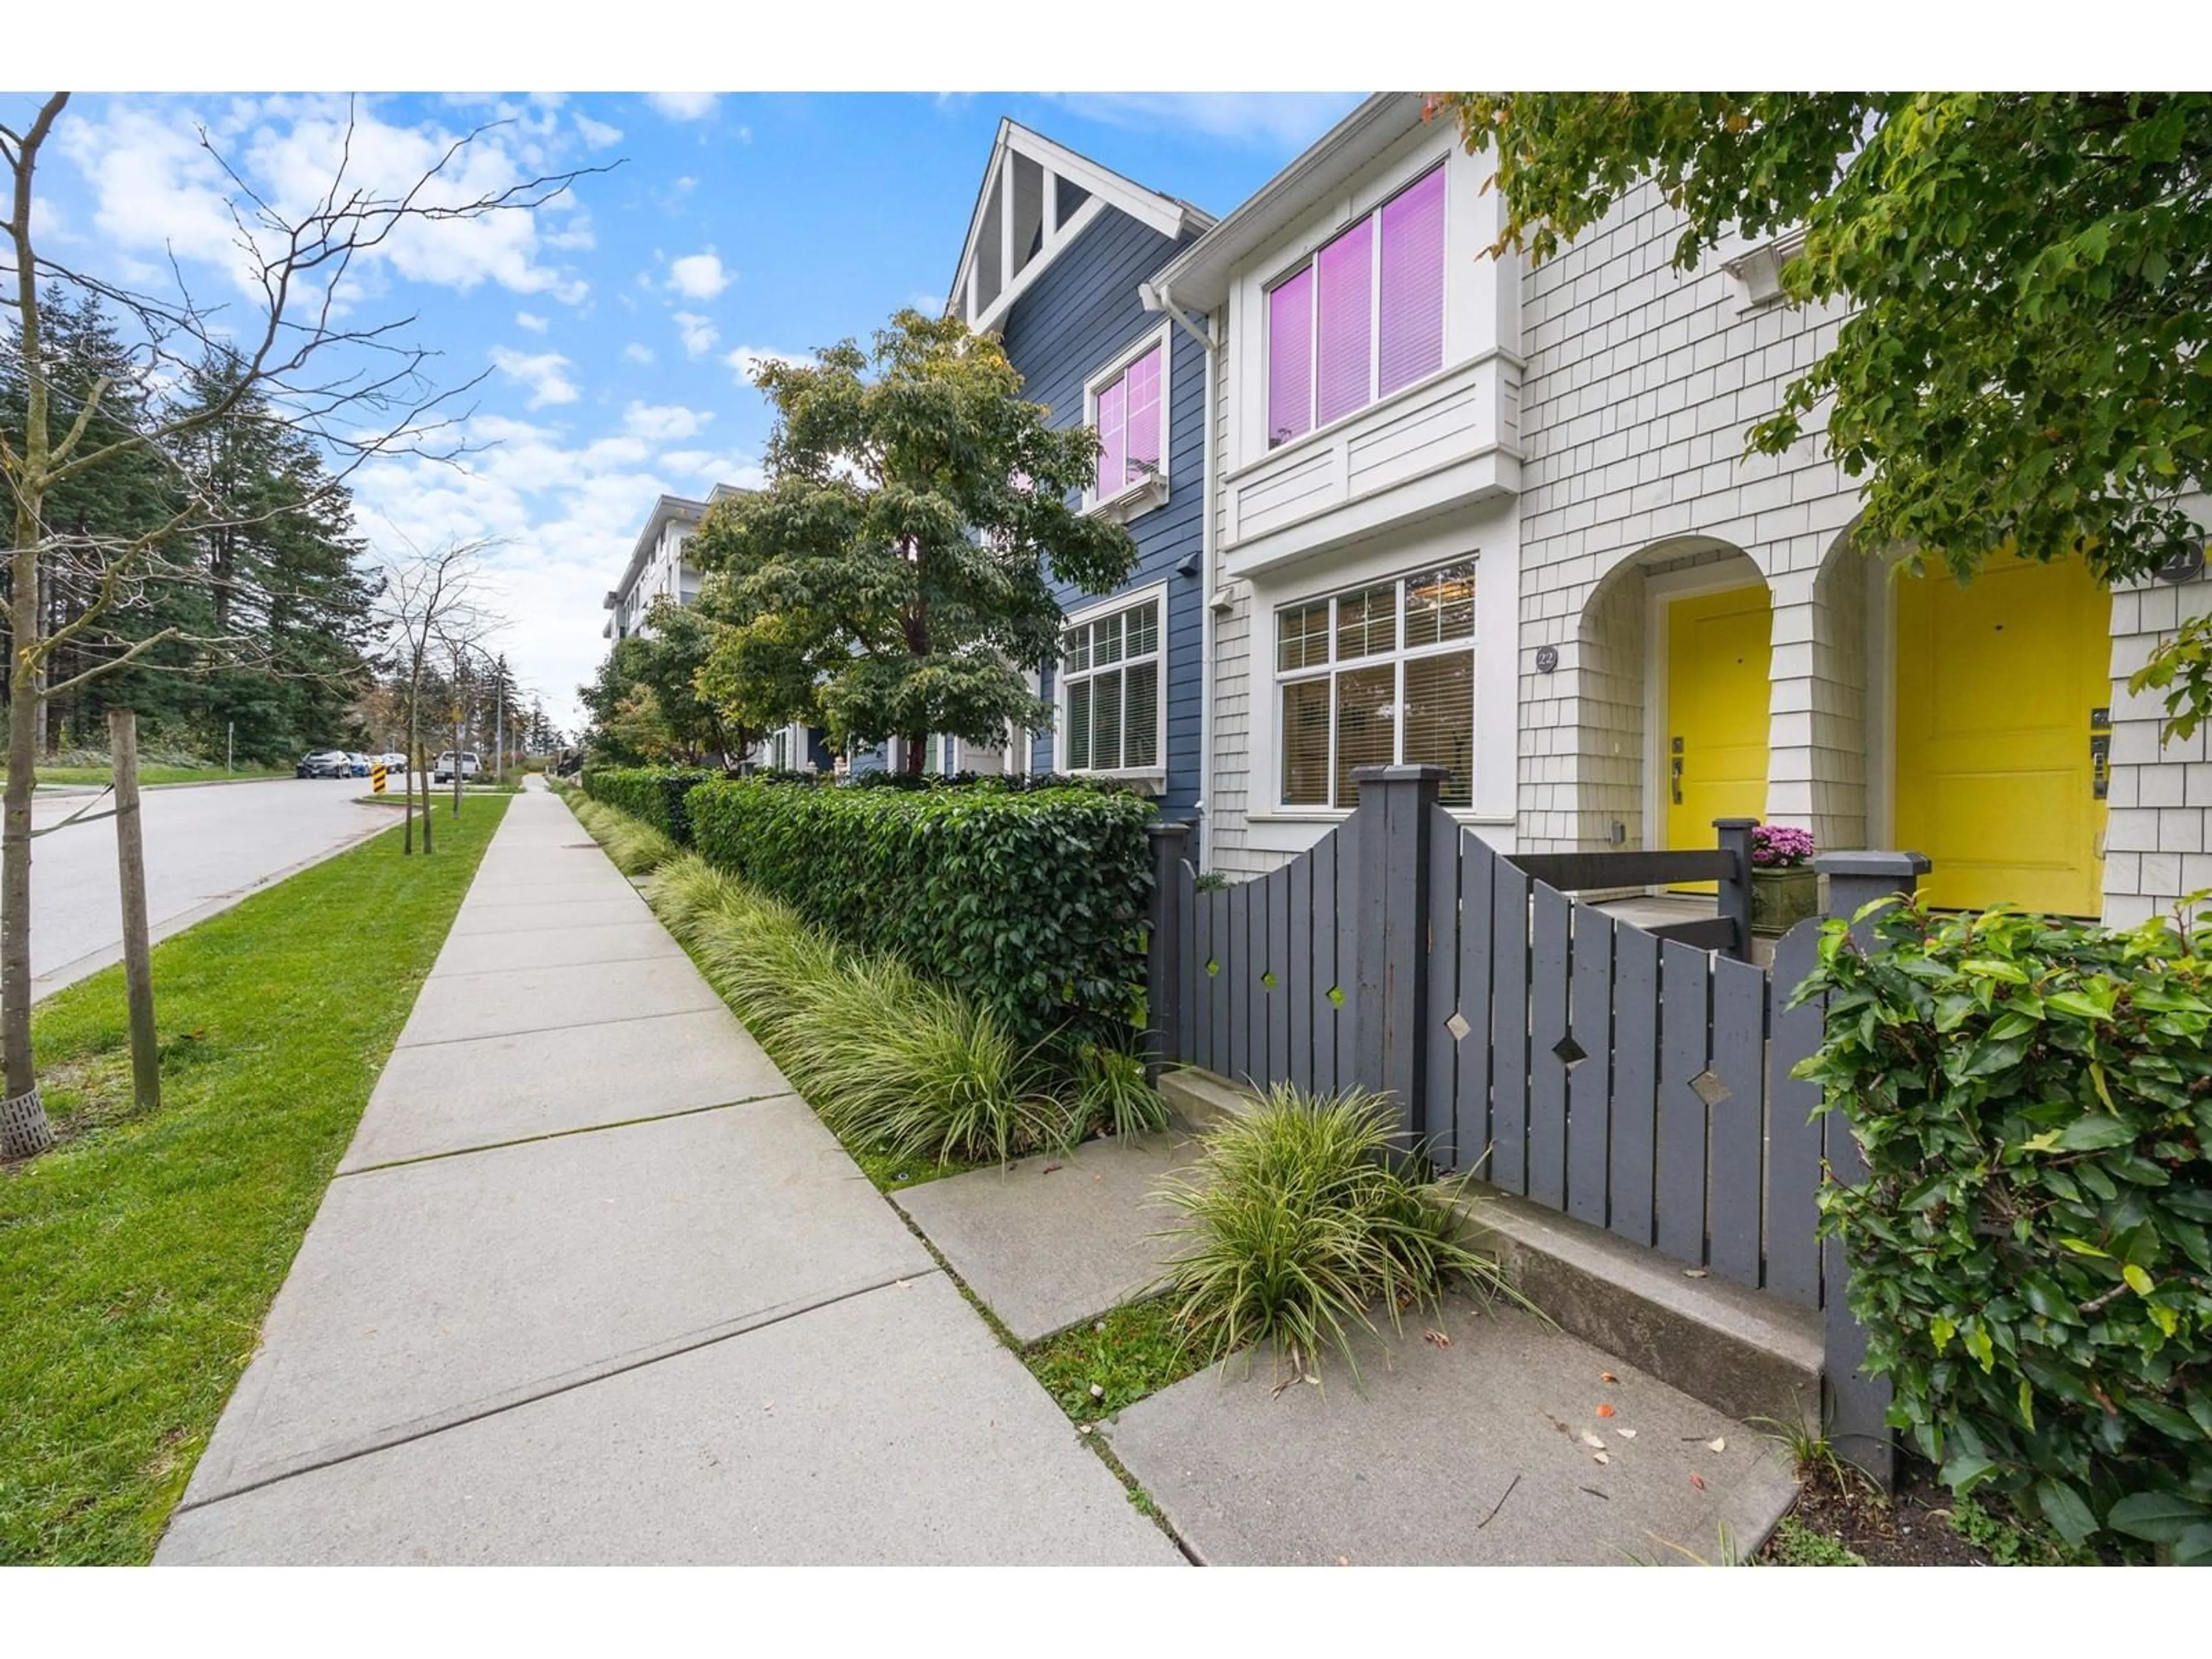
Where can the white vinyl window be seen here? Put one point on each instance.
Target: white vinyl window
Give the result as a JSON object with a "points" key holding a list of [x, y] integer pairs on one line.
{"points": [[1128, 403], [1377, 675], [1113, 666]]}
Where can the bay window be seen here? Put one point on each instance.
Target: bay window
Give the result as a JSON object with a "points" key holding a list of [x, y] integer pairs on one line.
{"points": [[1377, 676], [1363, 318], [1111, 674]]}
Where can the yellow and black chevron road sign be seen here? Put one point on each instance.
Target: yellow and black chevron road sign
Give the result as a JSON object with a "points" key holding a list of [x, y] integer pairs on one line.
{"points": [[376, 777]]}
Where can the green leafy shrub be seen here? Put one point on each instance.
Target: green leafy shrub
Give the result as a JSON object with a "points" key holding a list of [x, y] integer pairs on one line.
{"points": [[654, 793], [891, 1061], [636, 848], [2030, 1253], [1298, 1226], [1032, 904]]}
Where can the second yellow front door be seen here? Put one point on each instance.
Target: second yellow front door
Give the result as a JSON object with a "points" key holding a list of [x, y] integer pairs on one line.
{"points": [[1998, 687], [1714, 760]]}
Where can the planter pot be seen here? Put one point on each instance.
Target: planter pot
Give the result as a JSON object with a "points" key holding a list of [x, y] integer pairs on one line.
{"points": [[1780, 899]]}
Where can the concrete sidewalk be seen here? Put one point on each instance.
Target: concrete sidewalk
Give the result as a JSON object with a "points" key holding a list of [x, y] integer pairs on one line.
{"points": [[592, 1284]]}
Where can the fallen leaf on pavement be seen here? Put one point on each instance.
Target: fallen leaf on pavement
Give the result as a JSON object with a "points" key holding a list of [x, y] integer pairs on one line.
{"points": [[1625, 1434], [1693, 1272], [1607, 1377], [1049, 1168], [1599, 1457], [1343, 1560], [1698, 1480], [1716, 1445], [1436, 1337], [1589, 1439], [1605, 1411]]}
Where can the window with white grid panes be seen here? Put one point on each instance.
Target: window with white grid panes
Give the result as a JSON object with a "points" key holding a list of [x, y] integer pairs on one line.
{"points": [[1111, 671], [1377, 675]]}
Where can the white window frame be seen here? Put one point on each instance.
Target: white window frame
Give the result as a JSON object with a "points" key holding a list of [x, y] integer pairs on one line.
{"points": [[1156, 594], [1397, 656], [1306, 261], [1142, 496]]}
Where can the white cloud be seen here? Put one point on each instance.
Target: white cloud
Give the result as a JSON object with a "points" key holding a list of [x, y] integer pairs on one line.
{"points": [[745, 358], [699, 275], [531, 320], [638, 354], [568, 512], [598, 134], [684, 106], [663, 422], [1255, 118], [545, 375], [156, 190], [699, 333]]}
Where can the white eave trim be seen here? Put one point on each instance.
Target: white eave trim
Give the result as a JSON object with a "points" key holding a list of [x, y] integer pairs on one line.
{"points": [[1202, 270]]}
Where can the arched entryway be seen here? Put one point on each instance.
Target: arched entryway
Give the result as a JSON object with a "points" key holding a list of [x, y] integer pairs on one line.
{"points": [[2000, 712], [1675, 652]]}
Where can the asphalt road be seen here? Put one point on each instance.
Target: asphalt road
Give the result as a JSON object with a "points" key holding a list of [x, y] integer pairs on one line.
{"points": [[207, 846]]}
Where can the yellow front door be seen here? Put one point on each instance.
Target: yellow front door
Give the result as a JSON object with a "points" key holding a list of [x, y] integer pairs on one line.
{"points": [[1996, 685], [1715, 758]]}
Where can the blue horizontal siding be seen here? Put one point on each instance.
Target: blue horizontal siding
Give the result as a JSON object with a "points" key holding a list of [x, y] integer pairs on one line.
{"points": [[1080, 312]]}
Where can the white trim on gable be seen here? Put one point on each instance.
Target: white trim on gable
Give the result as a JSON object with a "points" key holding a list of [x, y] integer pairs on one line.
{"points": [[1102, 188]]}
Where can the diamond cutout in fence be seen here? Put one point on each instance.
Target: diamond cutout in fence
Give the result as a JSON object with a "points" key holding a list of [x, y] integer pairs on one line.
{"points": [[1570, 1051], [1708, 1087], [1267, 980], [1213, 965], [1458, 1027], [1336, 995]]}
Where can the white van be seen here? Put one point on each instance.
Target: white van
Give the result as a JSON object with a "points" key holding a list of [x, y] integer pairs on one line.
{"points": [[443, 771]]}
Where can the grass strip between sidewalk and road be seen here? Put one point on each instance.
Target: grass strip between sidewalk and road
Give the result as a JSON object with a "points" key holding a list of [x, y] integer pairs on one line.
{"points": [[152, 777], [142, 1253]]}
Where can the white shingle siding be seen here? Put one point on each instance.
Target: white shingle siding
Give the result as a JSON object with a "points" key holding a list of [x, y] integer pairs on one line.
{"points": [[1630, 413]]}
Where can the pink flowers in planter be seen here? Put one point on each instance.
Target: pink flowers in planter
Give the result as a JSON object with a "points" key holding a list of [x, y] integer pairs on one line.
{"points": [[1776, 846]]}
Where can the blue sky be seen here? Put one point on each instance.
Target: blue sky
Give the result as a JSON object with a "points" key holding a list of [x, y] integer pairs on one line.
{"points": [[615, 326]]}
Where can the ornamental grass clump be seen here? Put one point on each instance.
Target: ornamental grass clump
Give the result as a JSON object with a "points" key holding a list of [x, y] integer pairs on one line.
{"points": [[636, 848], [891, 1061], [1298, 1226]]}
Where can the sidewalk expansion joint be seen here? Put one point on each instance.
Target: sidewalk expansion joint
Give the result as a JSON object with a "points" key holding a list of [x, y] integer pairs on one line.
{"points": [[565, 1134], [424, 1428], [509, 973], [715, 1007]]}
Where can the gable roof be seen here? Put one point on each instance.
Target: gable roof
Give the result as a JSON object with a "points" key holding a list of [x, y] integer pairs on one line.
{"points": [[1096, 188], [666, 510]]}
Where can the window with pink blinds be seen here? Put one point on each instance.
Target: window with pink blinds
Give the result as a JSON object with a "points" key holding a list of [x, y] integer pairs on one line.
{"points": [[1129, 427], [1365, 318], [1344, 272], [1411, 327], [1289, 358]]}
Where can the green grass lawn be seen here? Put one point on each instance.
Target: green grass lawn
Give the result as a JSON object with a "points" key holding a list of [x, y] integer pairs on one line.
{"points": [[141, 1253], [151, 776]]}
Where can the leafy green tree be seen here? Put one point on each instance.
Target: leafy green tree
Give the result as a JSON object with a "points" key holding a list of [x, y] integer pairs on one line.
{"points": [[2029, 280], [895, 571]]}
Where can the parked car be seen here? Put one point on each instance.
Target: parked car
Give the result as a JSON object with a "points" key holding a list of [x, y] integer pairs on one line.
{"points": [[393, 762], [326, 764], [359, 762], [443, 771]]}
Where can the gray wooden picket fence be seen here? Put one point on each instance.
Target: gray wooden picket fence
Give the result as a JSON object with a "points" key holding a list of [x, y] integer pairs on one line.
{"points": [[1637, 1082]]}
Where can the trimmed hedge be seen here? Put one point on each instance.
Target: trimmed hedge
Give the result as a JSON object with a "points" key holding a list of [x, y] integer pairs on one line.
{"points": [[2031, 1250], [1032, 904], [654, 794]]}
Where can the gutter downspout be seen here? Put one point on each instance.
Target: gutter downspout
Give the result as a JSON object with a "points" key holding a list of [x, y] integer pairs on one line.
{"points": [[1160, 299]]}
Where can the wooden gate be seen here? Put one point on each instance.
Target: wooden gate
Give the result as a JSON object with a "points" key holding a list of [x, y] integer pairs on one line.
{"points": [[1633, 1081]]}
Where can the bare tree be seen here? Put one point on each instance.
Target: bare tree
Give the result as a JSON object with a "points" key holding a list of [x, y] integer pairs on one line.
{"points": [[428, 601], [356, 388]]}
